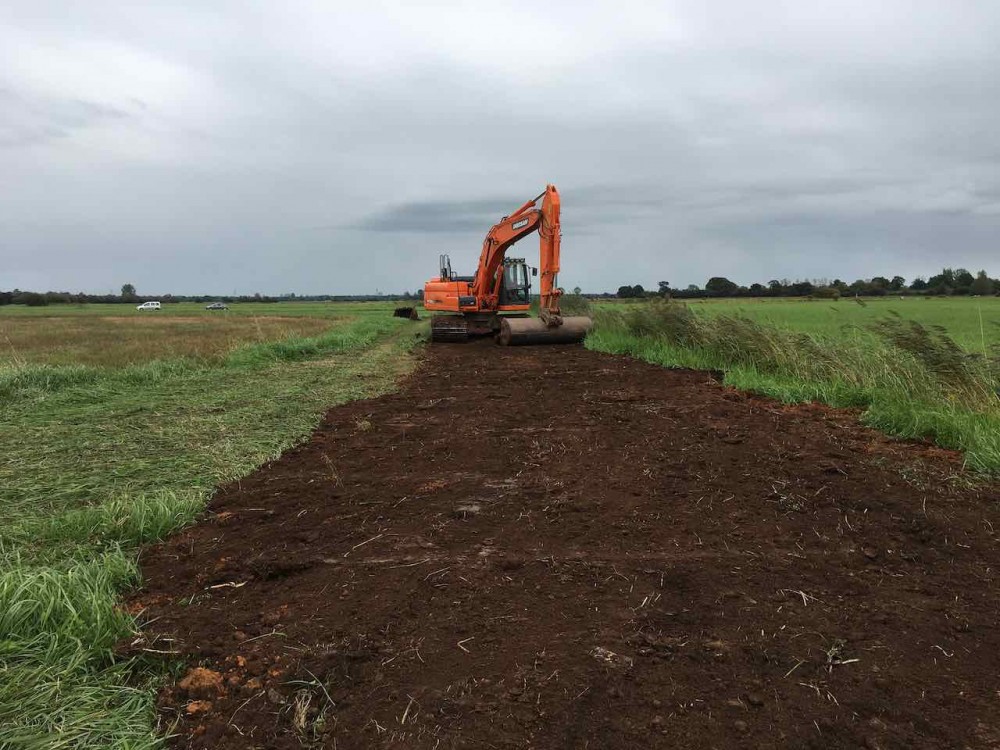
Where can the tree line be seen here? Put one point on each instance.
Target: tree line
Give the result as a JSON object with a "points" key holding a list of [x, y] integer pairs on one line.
{"points": [[950, 281], [128, 295]]}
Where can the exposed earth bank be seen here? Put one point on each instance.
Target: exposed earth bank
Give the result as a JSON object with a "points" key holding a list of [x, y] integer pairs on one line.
{"points": [[555, 548]]}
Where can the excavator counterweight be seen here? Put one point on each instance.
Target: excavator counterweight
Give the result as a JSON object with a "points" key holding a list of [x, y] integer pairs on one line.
{"points": [[496, 299]]}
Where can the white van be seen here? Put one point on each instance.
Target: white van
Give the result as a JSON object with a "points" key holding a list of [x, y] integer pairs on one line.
{"points": [[149, 306]]}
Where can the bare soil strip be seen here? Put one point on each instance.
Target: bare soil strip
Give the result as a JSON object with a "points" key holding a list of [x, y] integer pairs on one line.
{"points": [[556, 548]]}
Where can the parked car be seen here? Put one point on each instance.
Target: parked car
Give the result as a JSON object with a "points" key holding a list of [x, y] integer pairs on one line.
{"points": [[149, 306], [216, 306]]}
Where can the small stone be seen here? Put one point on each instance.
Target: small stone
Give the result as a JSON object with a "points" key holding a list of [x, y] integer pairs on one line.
{"points": [[656, 721], [656, 702], [466, 509], [275, 697], [755, 699], [740, 725], [195, 708]]}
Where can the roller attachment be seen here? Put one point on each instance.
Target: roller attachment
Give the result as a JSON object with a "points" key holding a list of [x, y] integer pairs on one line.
{"points": [[517, 331]]}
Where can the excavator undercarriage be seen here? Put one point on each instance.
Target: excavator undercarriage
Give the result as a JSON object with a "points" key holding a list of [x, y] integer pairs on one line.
{"points": [[450, 329], [459, 328]]}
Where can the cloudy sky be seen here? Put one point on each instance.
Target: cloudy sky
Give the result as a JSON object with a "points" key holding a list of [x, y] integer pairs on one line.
{"points": [[339, 147]]}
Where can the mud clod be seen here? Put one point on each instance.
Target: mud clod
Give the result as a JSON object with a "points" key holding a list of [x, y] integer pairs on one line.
{"points": [[201, 683]]}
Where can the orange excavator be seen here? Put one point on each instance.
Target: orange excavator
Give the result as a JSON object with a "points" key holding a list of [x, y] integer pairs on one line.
{"points": [[496, 300]]}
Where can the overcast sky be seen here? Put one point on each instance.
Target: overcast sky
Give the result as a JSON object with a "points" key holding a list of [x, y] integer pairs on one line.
{"points": [[339, 147]]}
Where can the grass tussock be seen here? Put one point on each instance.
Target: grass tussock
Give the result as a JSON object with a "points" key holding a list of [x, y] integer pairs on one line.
{"points": [[912, 381]]}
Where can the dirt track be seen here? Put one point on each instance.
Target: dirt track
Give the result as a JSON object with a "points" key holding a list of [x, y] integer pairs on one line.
{"points": [[555, 548]]}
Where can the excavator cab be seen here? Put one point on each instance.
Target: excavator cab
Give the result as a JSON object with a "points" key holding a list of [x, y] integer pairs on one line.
{"points": [[516, 289]]}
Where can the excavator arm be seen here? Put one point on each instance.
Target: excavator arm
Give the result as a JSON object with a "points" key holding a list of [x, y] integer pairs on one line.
{"points": [[504, 234]]}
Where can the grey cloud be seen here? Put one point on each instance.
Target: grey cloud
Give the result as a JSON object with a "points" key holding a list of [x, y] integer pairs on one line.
{"points": [[276, 149], [29, 120], [434, 217]]}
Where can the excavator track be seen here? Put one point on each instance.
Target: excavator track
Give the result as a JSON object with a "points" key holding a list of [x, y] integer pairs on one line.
{"points": [[449, 329]]}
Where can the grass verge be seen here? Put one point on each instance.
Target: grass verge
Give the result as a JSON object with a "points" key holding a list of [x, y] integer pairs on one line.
{"points": [[98, 462], [910, 380]]}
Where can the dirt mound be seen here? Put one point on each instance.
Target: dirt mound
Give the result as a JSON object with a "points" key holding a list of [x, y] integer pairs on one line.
{"points": [[556, 548]]}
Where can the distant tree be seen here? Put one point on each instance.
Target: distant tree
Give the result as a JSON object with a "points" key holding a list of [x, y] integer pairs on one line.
{"points": [[800, 289], [31, 299], [128, 293], [982, 285], [624, 292], [963, 278], [664, 288], [942, 283], [638, 291], [918, 284], [897, 283], [720, 286], [860, 286], [577, 291], [879, 283], [758, 290], [693, 288]]}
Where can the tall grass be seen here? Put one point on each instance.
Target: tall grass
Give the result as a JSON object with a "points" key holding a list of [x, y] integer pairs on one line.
{"points": [[569, 304], [98, 462], [912, 381]]}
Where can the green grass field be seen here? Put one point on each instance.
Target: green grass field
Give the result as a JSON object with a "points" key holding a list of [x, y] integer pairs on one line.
{"points": [[971, 321], [918, 368], [101, 459]]}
